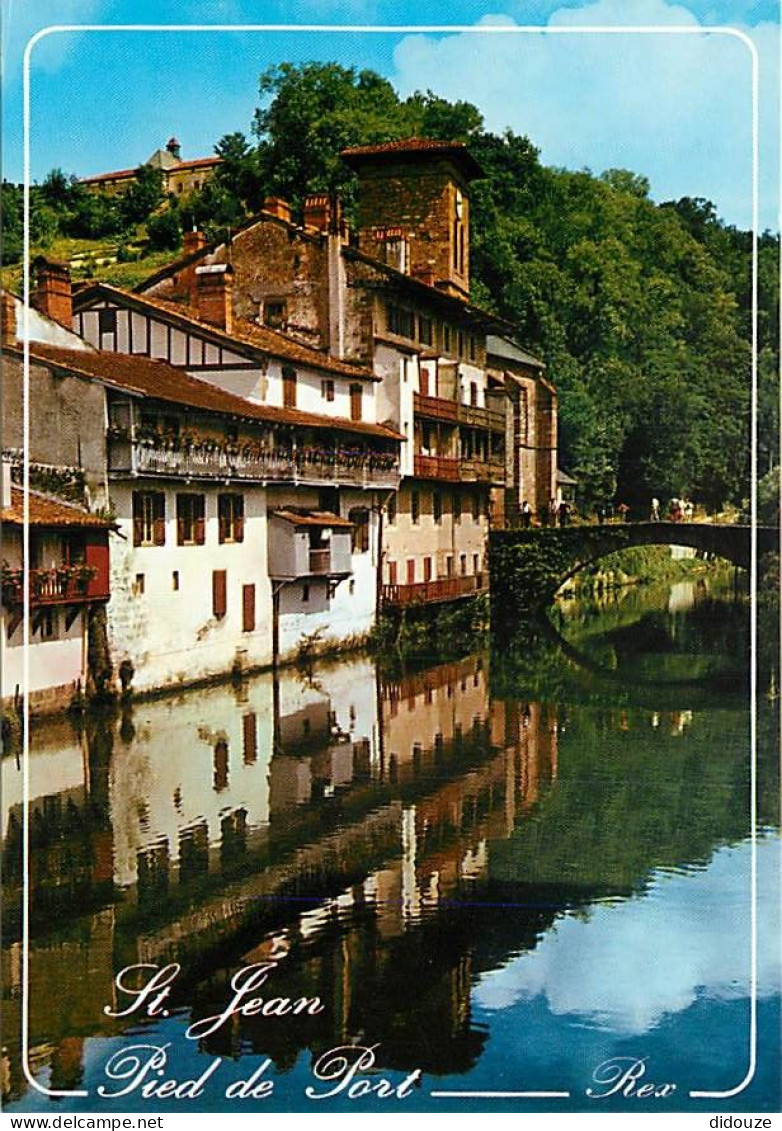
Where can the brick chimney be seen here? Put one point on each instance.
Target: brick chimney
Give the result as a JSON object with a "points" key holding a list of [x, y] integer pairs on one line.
{"points": [[214, 295], [7, 317], [53, 295], [319, 216], [278, 207], [193, 241]]}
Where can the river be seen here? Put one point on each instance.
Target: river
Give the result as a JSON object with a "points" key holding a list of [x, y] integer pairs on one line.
{"points": [[527, 873]]}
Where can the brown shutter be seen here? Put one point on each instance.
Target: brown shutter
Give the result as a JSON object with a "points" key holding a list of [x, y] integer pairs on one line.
{"points": [[159, 511], [248, 608], [200, 531], [219, 593], [239, 528], [222, 518], [355, 402], [180, 532], [138, 531]]}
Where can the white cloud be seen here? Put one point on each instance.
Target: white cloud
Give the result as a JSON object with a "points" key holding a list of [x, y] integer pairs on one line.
{"points": [[674, 107], [632, 963]]}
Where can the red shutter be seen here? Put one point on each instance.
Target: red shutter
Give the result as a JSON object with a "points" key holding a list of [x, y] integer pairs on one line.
{"points": [[248, 608], [250, 739], [200, 531], [239, 528], [138, 531], [160, 532], [219, 593]]}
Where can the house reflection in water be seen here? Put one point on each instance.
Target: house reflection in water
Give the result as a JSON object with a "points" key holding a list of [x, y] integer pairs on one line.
{"points": [[340, 824]]}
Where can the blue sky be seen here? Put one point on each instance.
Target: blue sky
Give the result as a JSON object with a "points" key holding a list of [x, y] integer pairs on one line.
{"points": [[675, 108]]}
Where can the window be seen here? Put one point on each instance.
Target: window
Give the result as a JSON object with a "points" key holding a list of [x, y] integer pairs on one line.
{"points": [[472, 347], [359, 516], [274, 313], [355, 402], [219, 593], [437, 507], [463, 564], [149, 518], [391, 511], [446, 339], [249, 739], [411, 571], [400, 321], [461, 343], [175, 580], [425, 334], [392, 573], [457, 506], [138, 585], [230, 514], [44, 621], [248, 608], [427, 569], [476, 563], [288, 386], [476, 507], [327, 390], [423, 381], [190, 522], [107, 320], [449, 565], [473, 394], [415, 507], [305, 593]]}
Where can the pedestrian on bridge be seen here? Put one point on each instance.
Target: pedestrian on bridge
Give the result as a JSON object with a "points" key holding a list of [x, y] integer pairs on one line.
{"points": [[526, 514], [655, 515]]}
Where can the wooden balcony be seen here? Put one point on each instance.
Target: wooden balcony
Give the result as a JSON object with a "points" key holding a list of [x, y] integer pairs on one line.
{"points": [[482, 470], [481, 417], [436, 467], [61, 585], [303, 465], [434, 592], [435, 408]]}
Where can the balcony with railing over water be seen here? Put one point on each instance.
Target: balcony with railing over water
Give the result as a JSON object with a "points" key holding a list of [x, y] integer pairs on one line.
{"points": [[60, 585], [436, 467], [432, 592], [215, 460]]}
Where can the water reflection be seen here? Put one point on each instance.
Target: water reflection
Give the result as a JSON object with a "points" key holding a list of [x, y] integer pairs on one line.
{"points": [[421, 853]]}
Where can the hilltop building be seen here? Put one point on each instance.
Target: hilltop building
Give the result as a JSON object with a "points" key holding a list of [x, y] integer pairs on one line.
{"points": [[179, 177]]}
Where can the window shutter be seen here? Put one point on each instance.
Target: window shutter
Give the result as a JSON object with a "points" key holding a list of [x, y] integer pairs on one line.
{"points": [[138, 531], [250, 739], [180, 532], [160, 532], [200, 531], [219, 593], [159, 511], [248, 608], [239, 528]]}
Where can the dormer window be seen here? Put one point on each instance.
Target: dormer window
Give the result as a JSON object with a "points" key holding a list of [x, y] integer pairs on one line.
{"points": [[275, 313]]}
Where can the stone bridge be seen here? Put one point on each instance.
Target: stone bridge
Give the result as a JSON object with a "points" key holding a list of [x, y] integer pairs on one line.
{"points": [[529, 565]]}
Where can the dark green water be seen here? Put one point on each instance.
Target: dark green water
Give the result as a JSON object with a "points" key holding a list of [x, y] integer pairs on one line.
{"points": [[498, 874]]}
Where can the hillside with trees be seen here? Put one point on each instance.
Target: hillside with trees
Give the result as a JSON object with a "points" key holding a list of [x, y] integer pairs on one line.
{"points": [[641, 311]]}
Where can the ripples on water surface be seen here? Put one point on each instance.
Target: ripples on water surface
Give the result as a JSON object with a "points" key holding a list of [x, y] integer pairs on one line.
{"points": [[500, 871]]}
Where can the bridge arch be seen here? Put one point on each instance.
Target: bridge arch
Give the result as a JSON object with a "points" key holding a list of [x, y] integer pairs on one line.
{"points": [[528, 565]]}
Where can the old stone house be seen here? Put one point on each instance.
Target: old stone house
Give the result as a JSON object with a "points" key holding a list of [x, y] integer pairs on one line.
{"points": [[179, 177], [394, 296]]}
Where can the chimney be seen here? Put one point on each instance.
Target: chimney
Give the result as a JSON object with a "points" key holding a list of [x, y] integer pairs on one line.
{"points": [[193, 241], [278, 207], [214, 295], [7, 317], [319, 216], [53, 296]]}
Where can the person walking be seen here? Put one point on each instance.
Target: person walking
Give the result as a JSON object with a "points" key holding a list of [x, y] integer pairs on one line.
{"points": [[526, 514], [601, 513], [563, 510], [655, 515]]}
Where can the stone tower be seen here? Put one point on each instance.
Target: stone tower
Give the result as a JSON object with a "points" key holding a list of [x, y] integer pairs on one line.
{"points": [[414, 208]]}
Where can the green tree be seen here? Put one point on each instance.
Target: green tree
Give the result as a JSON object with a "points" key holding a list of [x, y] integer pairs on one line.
{"points": [[142, 196]]}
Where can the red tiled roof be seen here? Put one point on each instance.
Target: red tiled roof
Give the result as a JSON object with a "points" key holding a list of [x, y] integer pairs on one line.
{"points": [[121, 174], [46, 511], [311, 518], [418, 146], [244, 332], [161, 381]]}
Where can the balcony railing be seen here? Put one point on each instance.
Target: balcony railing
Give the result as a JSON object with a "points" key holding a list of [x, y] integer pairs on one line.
{"points": [[481, 417], [482, 470], [58, 586], [304, 465], [435, 408], [430, 592], [436, 467]]}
